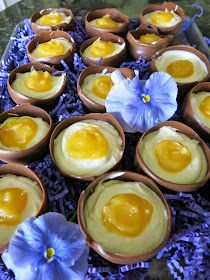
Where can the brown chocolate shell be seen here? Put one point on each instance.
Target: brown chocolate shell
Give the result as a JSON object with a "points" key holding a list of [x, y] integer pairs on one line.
{"points": [[183, 87], [38, 150], [118, 258], [180, 127], [19, 98], [114, 60], [162, 7], [38, 29], [115, 15], [93, 116], [137, 49], [21, 170], [189, 114], [91, 105], [45, 37]]}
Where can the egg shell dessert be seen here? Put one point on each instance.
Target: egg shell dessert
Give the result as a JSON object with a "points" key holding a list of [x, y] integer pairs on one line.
{"points": [[91, 104], [105, 118], [111, 60], [38, 98], [178, 17], [137, 49], [21, 170], [119, 258], [64, 38], [202, 152], [36, 151], [114, 15], [64, 20], [199, 65], [190, 109]]}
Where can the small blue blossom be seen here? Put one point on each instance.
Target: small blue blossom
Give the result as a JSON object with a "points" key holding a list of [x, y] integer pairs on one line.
{"points": [[47, 247], [140, 104]]}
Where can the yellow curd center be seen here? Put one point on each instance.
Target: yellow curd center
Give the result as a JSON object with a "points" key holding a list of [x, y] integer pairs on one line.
{"points": [[101, 48], [12, 204], [51, 48], [127, 214], [162, 17], [102, 86], [51, 19], [39, 81], [205, 106], [106, 22], [17, 132], [87, 143], [172, 156], [180, 68], [149, 38]]}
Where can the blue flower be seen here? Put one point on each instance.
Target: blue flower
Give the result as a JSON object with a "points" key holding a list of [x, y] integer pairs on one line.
{"points": [[140, 104], [47, 247]]}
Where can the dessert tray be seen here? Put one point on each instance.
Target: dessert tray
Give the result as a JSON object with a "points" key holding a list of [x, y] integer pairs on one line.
{"points": [[185, 254]]}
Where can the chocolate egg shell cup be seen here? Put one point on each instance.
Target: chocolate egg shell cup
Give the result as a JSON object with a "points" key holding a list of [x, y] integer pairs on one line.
{"points": [[190, 116], [19, 98], [162, 7], [119, 258], [36, 151], [115, 15], [137, 49], [91, 105], [55, 60], [182, 128], [38, 29], [21, 170], [93, 116], [114, 60], [183, 87]]}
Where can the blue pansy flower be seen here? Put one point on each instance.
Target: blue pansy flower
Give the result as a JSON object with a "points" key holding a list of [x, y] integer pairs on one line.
{"points": [[140, 104], [47, 247]]}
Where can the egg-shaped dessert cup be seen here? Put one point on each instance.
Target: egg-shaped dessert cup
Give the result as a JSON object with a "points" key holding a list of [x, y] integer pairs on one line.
{"points": [[172, 19], [123, 179], [173, 152], [195, 109], [185, 64], [54, 19], [15, 151], [30, 177], [110, 21], [63, 37], [113, 60], [36, 87], [152, 41], [77, 150], [93, 105]]}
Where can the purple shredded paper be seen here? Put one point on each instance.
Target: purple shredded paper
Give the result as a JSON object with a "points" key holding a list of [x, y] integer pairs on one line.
{"points": [[186, 254]]}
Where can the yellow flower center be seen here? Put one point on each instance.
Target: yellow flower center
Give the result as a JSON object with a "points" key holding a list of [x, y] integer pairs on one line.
{"points": [[205, 106], [39, 81], [146, 98], [149, 38], [51, 19], [180, 68], [101, 48], [127, 214], [49, 254], [162, 17], [87, 143], [172, 156], [106, 22], [102, 86]]}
